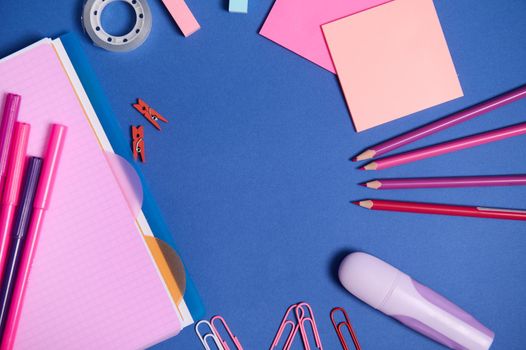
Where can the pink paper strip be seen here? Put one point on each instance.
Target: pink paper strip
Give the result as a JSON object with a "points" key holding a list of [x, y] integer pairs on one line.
{"points": [[182, 16]]}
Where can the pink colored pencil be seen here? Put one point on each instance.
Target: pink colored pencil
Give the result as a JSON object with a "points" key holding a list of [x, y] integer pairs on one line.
{"points": [[447, 147], [442, 182], [40, 205], [443, 123], [443, 209]]}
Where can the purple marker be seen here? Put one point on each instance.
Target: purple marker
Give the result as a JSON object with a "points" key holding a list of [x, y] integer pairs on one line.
{"points": [[20, 226], [11, 108], [391, 291]]}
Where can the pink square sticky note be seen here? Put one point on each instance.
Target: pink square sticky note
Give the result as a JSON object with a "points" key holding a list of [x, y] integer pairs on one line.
{"points": [[392, 60], [296, 25]]}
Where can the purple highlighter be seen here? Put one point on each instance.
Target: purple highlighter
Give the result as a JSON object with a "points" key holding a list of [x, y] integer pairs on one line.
{"points": [[396, 294]]}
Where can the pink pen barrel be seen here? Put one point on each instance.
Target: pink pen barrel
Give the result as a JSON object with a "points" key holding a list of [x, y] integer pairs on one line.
{"points": [[9, 116], [41, 202], [11, 193]]}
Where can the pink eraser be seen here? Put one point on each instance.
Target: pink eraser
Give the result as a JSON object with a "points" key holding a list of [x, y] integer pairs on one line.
{"points": [[182, 16]]}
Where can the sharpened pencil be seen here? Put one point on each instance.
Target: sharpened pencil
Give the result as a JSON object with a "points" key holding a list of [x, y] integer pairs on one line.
{"points": [[447, 147], [442, 209], [443, 123], [445, 182]]}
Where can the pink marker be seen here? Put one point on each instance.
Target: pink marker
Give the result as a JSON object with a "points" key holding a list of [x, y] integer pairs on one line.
{"points": [[11, 108], [40, 205], [11, 193]]}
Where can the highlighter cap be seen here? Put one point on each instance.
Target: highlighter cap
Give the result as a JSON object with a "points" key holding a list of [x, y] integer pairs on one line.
{"points": [[17, 163], [368, 278], [52, 156], [7, 124]]}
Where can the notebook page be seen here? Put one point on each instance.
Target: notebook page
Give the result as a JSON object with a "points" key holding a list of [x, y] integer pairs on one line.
{"points": [[93, 281], [184, 314]]}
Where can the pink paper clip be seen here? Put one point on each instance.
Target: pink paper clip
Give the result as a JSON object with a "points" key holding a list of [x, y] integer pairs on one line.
{"points": [[286, 321], [233, 338], [303, 317], [338, 327], [304, 314]]}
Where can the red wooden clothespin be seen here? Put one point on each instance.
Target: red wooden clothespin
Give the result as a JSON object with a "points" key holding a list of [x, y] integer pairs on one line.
{"points": [[138, 143], [149, 113]]}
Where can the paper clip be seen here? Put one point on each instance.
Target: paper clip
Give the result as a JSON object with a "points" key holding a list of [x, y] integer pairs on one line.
{"points": [[233, 338], [346, 323], [304, 314], [210, 334], [149, 113], [138, 143], [286, 321]]}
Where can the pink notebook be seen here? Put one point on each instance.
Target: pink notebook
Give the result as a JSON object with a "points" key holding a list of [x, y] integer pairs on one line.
{"points": [[94, 281]]}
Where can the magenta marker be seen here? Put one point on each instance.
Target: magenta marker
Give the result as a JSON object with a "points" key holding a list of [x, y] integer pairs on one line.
{"points": [[391, 291], [41, 202]]}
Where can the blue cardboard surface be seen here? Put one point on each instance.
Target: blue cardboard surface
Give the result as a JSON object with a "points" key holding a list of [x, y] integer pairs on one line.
{"points": [[252, 174]]}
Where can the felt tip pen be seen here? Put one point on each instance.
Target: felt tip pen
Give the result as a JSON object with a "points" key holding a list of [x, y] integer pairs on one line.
{"points": [[11, 193], [41, 202], [23, 215], [9, 116]]}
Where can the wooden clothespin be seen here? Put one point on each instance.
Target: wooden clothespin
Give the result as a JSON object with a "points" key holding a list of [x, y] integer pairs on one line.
{"points": [[149, 113], [138, 143]]}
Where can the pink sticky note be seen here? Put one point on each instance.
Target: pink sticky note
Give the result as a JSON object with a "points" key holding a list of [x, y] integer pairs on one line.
{"points": [[392, 60], [296, 25]]}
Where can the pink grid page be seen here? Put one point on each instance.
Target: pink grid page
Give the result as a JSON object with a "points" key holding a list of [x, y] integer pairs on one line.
{"points": [[93, 283]]}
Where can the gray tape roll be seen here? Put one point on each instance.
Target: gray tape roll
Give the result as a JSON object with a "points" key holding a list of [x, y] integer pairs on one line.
{"points": [[91, 19]]}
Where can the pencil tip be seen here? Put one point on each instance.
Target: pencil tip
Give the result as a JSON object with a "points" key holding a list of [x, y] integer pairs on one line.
{"points": [[370, 153], [364, 184], [356, 202]]}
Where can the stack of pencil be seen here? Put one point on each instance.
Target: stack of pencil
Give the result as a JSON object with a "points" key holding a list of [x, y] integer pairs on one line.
{"points": [[443, 148], [26, 183]]}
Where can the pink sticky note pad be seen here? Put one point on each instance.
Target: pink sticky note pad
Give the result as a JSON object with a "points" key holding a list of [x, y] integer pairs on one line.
{"points": [[392, 60], [296, 25]]}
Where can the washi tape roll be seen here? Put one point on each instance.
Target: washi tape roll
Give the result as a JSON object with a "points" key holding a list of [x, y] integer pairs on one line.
{"points": [[91, 19]]}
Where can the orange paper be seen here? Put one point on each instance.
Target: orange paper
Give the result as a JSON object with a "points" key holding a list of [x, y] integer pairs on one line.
{"points": [[392, 60]]}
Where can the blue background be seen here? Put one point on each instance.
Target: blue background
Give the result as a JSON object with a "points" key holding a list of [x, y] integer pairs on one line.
{"points": [[253, 178]]}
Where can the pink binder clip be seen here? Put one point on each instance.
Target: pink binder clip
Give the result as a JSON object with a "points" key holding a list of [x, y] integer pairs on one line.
{"points": [[338, 327], [233, 338], [304, 315]]}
